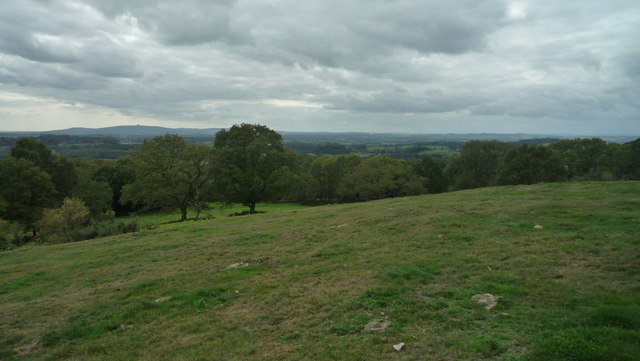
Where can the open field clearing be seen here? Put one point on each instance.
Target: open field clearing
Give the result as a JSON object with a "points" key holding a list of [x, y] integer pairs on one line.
{"points": [[562, 259]]}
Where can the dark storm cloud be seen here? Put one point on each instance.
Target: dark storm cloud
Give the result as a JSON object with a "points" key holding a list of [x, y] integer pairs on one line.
{"points": [[524, 62]]}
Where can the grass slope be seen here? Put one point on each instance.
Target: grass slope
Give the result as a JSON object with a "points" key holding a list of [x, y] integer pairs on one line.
{"points": [[568, 291]]}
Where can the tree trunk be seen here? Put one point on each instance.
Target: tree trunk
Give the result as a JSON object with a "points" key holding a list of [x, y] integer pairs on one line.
{"points": [[183, 214], [252, 207]]}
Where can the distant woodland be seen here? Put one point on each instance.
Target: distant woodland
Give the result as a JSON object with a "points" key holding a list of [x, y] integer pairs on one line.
{"points": [[60, 188]]}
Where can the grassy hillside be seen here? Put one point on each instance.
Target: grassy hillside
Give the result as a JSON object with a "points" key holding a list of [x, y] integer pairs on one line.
{"points": [[313, 277]]}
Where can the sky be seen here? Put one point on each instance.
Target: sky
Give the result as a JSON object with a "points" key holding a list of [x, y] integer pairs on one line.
{"points": [[402, 66]]}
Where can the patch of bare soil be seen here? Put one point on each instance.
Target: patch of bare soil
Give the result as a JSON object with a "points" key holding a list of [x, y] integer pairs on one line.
{"points": [[378, 325], [487, 299], [25, 349]]}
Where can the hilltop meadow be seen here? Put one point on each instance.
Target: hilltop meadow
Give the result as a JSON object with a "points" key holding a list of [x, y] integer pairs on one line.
{"points": [[301, 283]]}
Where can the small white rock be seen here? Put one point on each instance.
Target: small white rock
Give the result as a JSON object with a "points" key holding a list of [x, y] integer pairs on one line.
{"points": [[237, 265], [537, 226], [398, 346], [162, 299]]}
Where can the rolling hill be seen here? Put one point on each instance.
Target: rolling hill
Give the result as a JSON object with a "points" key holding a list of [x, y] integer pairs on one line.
{"points": [[563, 261]]}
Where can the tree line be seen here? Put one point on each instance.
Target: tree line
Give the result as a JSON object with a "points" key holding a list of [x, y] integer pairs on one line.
{"points": [[54, 198]]}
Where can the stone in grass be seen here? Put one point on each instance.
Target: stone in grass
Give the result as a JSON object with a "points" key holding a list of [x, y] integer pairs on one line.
{"points": [[377, 325], [162, 299], [537, 226], [398, 346], [237, 265], [487, 299]]}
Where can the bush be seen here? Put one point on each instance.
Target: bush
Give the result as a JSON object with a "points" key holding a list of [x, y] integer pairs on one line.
{"points": [[9, 235], [98, 229], [56, 224], [69, 224]]}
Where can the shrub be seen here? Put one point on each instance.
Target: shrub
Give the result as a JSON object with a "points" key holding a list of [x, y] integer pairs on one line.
{"points": [[98, 229], [56, 224], [9, 235]]}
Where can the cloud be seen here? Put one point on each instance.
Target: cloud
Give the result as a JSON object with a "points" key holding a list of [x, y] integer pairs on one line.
{"points": [[363, 61], [71, 35], [181, 22]]}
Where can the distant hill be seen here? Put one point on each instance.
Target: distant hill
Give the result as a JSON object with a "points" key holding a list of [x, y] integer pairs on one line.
{"points": [[319, 137], [136, 130], [141, 132]]}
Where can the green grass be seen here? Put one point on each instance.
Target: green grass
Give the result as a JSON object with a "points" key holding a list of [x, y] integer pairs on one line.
{"points": [[315, 276], [216, 210]]}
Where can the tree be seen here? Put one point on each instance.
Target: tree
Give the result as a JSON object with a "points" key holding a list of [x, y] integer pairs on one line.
{"points": [[64, 176], [118, 174], [530, 164], [170, 172], [625, 160], [329, 171], [249, 158], [26, 191], [584, 158], [95, 192], [60, 169], [380, 177], [36, 152], [432, 175], [477, 164]]}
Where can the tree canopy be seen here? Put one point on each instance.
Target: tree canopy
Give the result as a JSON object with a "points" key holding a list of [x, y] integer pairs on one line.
{"points": [[249, 162], [170, 172], [433, 178], [26, 191], [529, 164], [381, 177], [477, 163]]}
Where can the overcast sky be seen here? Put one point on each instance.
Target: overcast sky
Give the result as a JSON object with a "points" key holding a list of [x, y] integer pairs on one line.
{"points": [[416, 66]]}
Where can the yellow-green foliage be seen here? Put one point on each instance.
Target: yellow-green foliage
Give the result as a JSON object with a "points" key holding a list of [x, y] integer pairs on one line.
{"points": [[72, 213]]}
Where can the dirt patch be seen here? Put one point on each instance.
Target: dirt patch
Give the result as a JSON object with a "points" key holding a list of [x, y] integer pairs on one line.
{"points": [[487, 299], [25, 349], [378, 325]]}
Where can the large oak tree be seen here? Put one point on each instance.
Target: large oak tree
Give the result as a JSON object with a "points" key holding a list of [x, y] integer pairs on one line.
{"points": [[250, 163]]}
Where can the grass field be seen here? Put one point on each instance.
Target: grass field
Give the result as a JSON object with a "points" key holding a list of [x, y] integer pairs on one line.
{"points": [[214, 210], [312, 278]]}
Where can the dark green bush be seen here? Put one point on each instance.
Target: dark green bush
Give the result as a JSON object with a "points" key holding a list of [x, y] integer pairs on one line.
{"points": [[99, 229]]}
